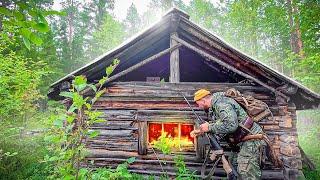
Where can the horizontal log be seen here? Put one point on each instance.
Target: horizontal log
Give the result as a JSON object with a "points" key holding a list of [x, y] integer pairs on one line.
{"points": [[269, 123], [290, 173], [98, 128], [289, 150], [114, 148], [191, 86], [115, 133], [114, 92], [160, 119], [153, 166], [285, 122], [141, 105], [272, 174], [170, 113], [288, 139], [100, 153], [292, 132], [112, 144], [292, 162], [111, 138], [96, 141], [118, 114], [270, 127], [159, 173]]}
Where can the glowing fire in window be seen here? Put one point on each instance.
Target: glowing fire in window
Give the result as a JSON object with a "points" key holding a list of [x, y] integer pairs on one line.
{"points": [[178, 133]]}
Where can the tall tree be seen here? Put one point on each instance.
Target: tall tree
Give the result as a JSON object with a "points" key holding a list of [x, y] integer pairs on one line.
{"points": [[132, 22], [295, 33], [100, 8], [204, 13], [74, 32], [110, 34]]}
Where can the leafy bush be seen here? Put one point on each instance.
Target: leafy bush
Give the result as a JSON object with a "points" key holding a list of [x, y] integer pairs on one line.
{"points": [[19, 80]]}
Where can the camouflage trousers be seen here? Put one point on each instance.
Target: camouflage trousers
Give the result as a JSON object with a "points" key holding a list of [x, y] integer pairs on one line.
{"points": [[247, 160]]}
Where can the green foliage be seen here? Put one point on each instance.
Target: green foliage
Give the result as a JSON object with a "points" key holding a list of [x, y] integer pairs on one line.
{"points": [[26, 21], [19, 83], [164, 144], [306, 70], [69, 131], [76, 33], [121, 172], [133, 21], [183, 173], [110, 31], [32, 57]]}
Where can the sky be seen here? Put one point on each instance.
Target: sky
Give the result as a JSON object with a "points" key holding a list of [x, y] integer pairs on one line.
{"points": [[121, 6]]}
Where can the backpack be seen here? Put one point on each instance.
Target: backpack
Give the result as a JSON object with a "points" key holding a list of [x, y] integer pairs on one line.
{"points": [[255, 108]]}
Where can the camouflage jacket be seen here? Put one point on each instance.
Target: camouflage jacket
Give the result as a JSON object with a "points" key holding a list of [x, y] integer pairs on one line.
{"points": [[227, 114]]}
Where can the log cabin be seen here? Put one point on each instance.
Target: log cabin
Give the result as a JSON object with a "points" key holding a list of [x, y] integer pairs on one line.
{"points": [[143, 98]]}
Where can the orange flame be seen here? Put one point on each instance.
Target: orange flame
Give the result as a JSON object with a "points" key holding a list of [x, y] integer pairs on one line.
{"points": [[170, 133]]}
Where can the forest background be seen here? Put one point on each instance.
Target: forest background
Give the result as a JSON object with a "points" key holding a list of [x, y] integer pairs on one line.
{"points": [[40, 45]]}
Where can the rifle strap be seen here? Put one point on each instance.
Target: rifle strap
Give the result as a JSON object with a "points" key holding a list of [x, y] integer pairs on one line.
{"points": [[204, 166], [231, 176]]}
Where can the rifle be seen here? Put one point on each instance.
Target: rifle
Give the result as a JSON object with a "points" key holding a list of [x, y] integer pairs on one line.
{"points": [[215, 146]]}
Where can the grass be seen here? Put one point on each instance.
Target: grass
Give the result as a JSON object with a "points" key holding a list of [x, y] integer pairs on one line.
{"points": [[24, 152], [309, 135]]}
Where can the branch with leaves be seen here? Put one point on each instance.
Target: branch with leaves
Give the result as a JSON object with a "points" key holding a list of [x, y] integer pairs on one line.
{"points": [[26, 21], [70, 131]]}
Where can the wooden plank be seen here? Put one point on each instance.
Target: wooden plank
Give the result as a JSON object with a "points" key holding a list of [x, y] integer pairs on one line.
{"points": [[144, 93], [113, 124], [285, 122], [141, 105], [289, 150], [112, 128], [127, 114], [174, 60], [114, 133], [142, 138], [292, 162], [288, 139], [153, 166], [290, 174]]}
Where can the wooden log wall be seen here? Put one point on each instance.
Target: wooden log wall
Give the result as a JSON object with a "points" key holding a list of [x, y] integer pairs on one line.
{"points": [[129, 106]]}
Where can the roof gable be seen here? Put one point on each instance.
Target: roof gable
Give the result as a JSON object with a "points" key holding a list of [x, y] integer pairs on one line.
{"points": [[157, 38]]}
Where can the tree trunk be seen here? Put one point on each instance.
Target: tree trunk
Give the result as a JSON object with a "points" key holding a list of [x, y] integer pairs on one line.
{"points": [[295, 33], [70, 31]]}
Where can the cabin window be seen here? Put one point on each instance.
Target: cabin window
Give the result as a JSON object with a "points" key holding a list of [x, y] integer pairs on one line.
{"points": [[177, 133]]}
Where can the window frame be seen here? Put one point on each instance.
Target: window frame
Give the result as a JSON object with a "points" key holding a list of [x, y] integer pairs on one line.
{"points": [[143, 132], [179, 131]]}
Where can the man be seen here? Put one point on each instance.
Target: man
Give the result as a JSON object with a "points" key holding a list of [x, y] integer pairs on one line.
{"points": [[231, 120]]}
